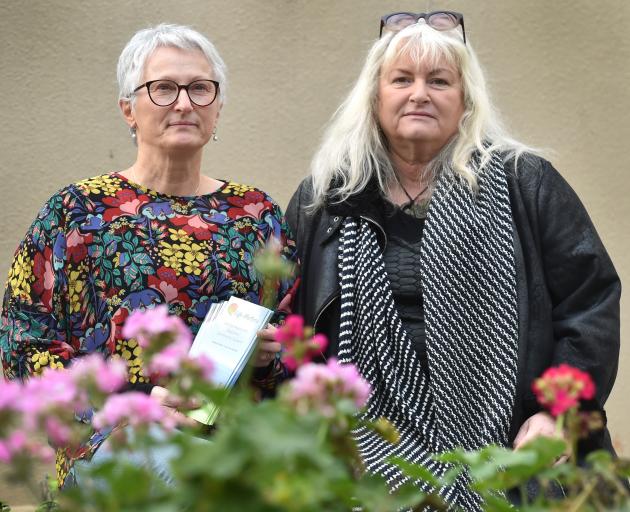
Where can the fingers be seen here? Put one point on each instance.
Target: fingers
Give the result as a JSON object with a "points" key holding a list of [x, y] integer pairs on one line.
{"points": [[522, 437], [172, 404], [168, 399], [264, 357], [540, 424], [269, 346], [562, 459], [266, 352], [285, 304], [179, 417], [159, 393], [268, 333]]}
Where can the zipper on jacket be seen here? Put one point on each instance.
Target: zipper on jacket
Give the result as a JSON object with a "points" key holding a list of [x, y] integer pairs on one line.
{"points": [[319, 315], [324, 308]]}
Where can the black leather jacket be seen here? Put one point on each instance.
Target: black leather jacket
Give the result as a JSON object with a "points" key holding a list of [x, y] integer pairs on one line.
{"points": [[568, 290]]}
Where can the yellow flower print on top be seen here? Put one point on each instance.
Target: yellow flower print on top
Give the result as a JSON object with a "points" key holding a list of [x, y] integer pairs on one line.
{"points": [[179, 235], [171, 256], [21, 275], [131, 352], [105, 184], [76, 285], [186, 256], [237, 189], [194, 255], [41, 360]]}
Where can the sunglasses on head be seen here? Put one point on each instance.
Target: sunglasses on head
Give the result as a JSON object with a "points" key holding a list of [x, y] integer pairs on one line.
{"points": [[439, 20]]}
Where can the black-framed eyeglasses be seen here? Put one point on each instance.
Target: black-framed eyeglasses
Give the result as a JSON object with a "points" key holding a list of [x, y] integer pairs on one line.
{"points": [[439, 20], [165, 92]]}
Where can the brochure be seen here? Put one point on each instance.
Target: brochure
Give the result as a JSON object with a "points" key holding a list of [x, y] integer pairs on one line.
{"points": [[228, 337]]}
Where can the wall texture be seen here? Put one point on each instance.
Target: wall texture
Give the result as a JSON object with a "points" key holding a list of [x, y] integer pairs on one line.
{"points": [[559, 72]]}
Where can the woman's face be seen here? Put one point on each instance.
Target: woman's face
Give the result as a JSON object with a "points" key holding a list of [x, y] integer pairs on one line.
{"points": [[420, 104], [182, 125]]}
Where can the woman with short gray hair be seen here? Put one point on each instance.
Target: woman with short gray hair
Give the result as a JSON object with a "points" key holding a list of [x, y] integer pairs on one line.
{"points": [[447, 261], [158, 232]]}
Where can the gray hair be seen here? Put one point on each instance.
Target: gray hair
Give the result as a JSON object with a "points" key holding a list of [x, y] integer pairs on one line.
{"points": [[144, 42], [354, 149]]}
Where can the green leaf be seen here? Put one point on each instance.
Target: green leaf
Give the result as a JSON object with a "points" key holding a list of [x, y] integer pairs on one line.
{"points": [[147, 269], [415, 471], [131, 274], [141, 258], [110, 248]]}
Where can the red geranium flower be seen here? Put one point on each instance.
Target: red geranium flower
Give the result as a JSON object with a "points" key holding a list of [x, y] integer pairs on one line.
{"points": [[560, 388], [299, 343]]}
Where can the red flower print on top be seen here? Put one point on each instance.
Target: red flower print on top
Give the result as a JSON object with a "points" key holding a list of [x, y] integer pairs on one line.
{"points": [[76, 245], [125, 202], [44, 276], [195, 226], [252, 204], [173, 288]]}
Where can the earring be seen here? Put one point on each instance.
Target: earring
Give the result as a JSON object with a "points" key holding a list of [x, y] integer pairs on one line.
{"points": [[134, 137], [214, 135]]}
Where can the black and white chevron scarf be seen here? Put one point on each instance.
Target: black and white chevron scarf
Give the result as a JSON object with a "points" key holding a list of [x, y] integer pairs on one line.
{"points": [[469, 297]]}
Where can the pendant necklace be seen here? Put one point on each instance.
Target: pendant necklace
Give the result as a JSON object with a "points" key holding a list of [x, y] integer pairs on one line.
{"points": [[412, 200]]}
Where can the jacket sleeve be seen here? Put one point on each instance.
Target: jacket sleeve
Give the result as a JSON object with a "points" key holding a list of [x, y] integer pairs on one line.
{"points": [[298, 216], [582, 283], [33, 330]]}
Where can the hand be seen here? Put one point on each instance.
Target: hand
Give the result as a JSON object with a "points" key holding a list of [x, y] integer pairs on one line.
{"points": [[540, 424], [174, 404], [267, 346], [285, 304]]}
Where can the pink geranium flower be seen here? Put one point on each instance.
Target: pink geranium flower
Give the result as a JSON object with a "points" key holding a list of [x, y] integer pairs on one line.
{"points": [[205, 366], [9, 395], [57, 431], [168, 360], [54, 389], [165, 339], [143, 325], [107, 375], [319, 387], [133, 408], [560, 388], [12, 445]]}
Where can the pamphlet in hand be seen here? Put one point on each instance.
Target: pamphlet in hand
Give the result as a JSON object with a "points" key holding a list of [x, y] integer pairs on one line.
{"points": [[228, 337]]}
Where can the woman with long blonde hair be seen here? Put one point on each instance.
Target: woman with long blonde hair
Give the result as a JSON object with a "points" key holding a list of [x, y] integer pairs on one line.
{"points": [[446, 260]]}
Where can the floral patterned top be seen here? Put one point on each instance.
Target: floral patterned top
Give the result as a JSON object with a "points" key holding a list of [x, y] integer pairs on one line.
{"points": [[105, 246]]}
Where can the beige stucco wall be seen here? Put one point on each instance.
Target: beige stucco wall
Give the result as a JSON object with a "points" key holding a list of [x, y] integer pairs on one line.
{"points": [[559, 72]]}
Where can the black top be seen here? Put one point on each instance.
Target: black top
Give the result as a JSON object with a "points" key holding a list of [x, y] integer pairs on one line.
{"points": [[402, 264]]}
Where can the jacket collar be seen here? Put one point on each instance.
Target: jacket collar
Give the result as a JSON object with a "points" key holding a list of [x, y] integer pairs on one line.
{"points": [[366, 204]]}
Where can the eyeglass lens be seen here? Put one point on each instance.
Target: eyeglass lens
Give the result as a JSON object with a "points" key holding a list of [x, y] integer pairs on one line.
{"points": [[436, 20], [165, 92]]}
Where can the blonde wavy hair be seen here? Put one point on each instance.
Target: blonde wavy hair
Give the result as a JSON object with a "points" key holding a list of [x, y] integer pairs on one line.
{"points": [[354, 148]]}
